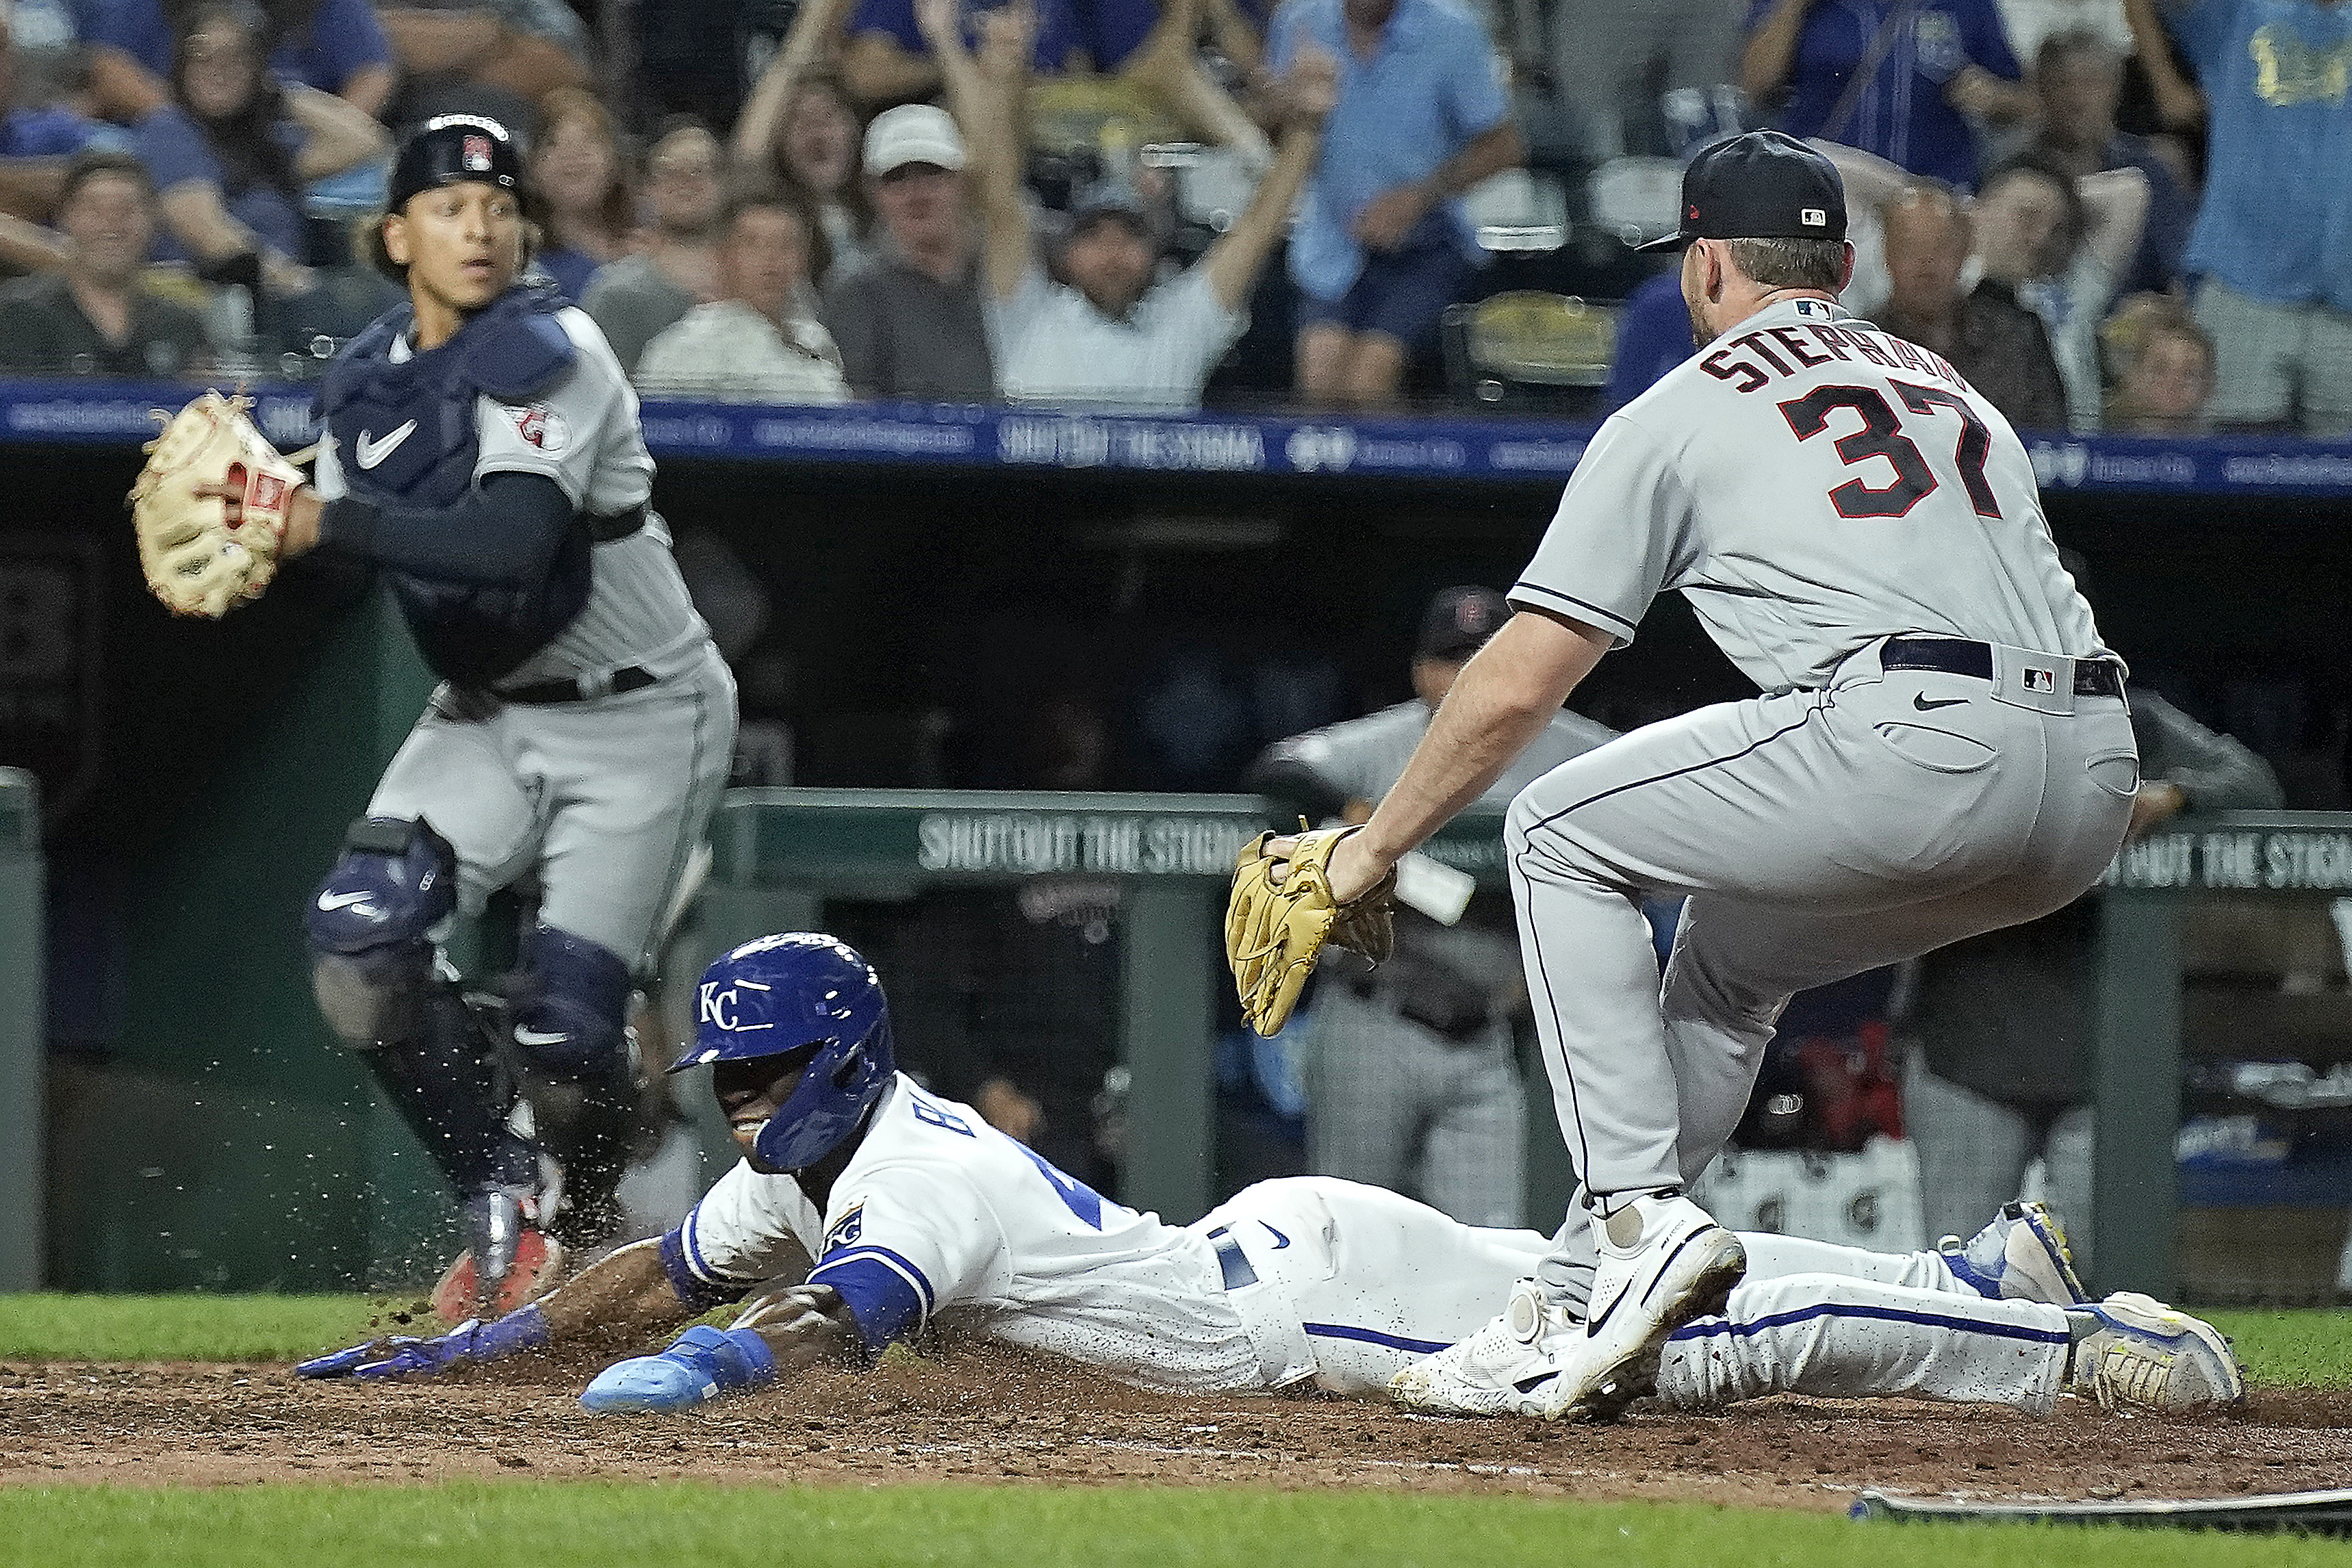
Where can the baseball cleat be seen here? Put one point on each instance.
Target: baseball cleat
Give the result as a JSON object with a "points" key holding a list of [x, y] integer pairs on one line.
{"points": [[702, 1364], [507, 1262], [2020, 1257], [1489, 1373], [1664, 1262], [2132, 1349]]}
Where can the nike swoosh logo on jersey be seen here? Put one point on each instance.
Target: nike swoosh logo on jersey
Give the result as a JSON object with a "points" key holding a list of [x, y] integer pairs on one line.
{"points": [[332, 902], [539, 1037], [372, 450], [1280, 1240], [1924, 706]]}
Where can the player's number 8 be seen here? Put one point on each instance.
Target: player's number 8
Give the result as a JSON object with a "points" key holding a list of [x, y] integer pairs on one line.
{"points": [[1881, 435]]}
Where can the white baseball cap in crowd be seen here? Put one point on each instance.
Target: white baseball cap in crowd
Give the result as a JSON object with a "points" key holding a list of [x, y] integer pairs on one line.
{"points": [[912, 133]]}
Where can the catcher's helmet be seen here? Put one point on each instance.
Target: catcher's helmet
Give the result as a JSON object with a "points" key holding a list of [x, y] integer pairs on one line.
{"points": [[452, 147], [799, 991]]}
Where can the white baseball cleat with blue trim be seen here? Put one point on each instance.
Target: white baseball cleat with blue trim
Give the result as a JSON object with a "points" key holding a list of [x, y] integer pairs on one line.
{"points": [[1489, 1373], [702, 1364], [2020, 1257], [2132, 1349]]}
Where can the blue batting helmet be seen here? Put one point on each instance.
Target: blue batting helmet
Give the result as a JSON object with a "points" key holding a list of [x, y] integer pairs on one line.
{"points": [[800, 990]]}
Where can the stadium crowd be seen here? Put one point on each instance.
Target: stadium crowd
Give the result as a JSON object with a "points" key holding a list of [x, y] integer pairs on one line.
{"points": [[2120, 214]]}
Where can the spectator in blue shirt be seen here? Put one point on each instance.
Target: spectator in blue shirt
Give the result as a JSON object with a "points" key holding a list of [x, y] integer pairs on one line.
{"points": [[334, 46], [36, 143], [232, 154], [1899, 79], [1653, 335], [2272, 242], [1381, 245]]}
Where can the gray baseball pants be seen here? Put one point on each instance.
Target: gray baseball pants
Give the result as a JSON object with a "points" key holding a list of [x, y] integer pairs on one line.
{"points": [[1817, 834]]}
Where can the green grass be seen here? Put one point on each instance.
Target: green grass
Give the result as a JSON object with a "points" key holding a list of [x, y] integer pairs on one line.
{"points": [[56, 1327], [2296, 1349], [594, 1524]]}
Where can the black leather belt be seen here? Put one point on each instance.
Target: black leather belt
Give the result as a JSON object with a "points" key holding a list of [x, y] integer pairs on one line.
{"points": [[1959, 656], [579, 689], [619, 525]]}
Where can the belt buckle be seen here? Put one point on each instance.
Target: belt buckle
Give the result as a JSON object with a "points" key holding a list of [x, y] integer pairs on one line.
{"points": [[2040, 683]]}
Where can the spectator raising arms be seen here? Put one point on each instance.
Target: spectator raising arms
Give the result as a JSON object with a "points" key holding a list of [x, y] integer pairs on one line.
{"points": [[1998, 344], [584, 181], [334, 46], [907, 318], [1383, 246], [2078, 78], [1111, 335], [234, 151], [2273, 241], [497, 58], [93, 318], [1899, 79], [755, 342], [634, 297], [802, 128]]}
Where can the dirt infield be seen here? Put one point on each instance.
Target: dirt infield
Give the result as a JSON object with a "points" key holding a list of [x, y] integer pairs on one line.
{"points": [[989, 1418]]}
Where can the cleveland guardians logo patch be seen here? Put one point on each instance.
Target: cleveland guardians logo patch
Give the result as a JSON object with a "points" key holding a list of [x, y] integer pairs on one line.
{"points": [[543, 427]]}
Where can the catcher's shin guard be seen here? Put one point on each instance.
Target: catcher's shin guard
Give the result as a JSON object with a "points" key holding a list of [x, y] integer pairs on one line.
{"points": [[579, 1067], [381, 988]]}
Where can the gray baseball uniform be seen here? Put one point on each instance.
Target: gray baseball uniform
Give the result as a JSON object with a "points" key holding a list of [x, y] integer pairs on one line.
{"points": [[603, 799], [1412, 1083], [1819, 492]]}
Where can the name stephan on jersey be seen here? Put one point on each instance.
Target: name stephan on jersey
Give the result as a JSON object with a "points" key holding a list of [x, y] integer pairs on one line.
{"points": [[1035, 843]]}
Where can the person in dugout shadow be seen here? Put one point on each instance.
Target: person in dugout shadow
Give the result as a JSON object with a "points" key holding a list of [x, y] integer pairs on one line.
{"points": [[1411, 1083]]}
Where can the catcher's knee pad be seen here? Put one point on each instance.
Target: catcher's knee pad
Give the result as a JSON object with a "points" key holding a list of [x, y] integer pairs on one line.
{"points": [[370, 925], [572, 1020]]}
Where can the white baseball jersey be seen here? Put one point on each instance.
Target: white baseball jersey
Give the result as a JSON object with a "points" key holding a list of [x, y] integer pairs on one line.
{"points": [[940, 1217], [1901, 503], [583, 433]]}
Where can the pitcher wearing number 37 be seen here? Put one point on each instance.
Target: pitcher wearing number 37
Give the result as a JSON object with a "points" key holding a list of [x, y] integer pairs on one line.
{"points": [[1942, 748]]}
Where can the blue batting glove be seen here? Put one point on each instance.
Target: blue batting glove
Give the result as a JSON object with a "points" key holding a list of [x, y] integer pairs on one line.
{"points": [[704, 1363], [404, 1355]]}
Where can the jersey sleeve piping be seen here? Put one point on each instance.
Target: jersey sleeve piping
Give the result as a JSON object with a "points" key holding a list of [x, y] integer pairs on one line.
{"points": [[895, 1262], [1608, 621]]}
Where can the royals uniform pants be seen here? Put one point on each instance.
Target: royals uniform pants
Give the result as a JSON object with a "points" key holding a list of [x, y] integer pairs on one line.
{"points": [[1816, 835], [600, 802], [1341, 1286]]}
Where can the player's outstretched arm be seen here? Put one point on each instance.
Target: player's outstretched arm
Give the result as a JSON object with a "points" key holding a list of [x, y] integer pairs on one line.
{"points": [[778, 1334], [626, 1291], [1505, 696]]}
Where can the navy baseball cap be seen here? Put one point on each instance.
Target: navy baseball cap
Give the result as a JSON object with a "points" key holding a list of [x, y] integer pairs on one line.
{"points": [[1758, 186], [1459, 621], [450, 149]]}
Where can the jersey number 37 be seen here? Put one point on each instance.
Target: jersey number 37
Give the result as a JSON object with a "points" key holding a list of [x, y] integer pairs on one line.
{"points": [[1881, 435]]}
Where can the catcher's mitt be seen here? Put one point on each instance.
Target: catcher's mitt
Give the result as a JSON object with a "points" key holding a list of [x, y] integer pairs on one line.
{"points": [[198, 562], [1275, 930]]}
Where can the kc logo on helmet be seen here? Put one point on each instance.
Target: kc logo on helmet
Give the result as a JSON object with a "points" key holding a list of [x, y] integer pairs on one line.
{"points": [[476, 155], [723, 1006]]}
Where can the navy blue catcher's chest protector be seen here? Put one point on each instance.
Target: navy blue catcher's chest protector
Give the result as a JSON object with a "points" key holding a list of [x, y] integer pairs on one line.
{"points": [[405, 437]]}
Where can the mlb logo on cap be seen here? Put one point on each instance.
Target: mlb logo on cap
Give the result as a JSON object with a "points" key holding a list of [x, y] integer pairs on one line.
{"points": [[476, 154], [1813, 217]]}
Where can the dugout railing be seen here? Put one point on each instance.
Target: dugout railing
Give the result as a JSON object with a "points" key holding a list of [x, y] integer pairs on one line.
{"points": [[23, 1091]]}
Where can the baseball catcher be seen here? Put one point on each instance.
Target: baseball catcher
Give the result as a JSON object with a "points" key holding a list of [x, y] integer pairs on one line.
{"points": [[1282, 915], [201, 555]]}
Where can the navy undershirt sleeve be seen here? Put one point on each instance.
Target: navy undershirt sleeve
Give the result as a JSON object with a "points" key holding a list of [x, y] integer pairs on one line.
{"points": [[505, 530]]}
